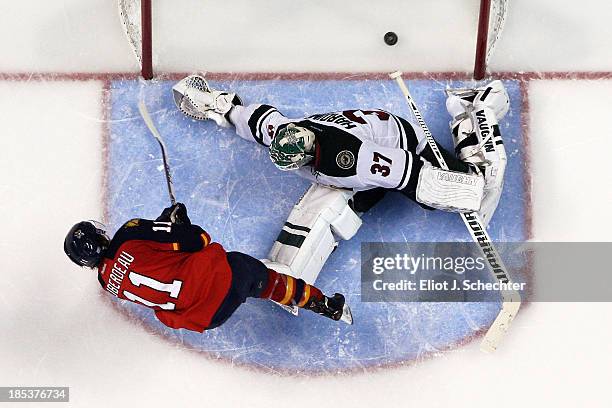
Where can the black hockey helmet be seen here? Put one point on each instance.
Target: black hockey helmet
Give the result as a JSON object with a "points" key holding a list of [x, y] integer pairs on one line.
{"points": [[85, 243]]}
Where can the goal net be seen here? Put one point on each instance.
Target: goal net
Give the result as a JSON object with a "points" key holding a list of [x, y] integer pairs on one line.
{"points": [[491, 22], [136, 17]]}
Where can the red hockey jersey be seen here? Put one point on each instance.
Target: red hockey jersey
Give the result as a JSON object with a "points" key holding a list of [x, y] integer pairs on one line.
{"points": [[171, 268]]}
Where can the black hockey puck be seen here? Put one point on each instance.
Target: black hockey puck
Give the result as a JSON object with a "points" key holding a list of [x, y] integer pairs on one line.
{"points": [[390, 38]]}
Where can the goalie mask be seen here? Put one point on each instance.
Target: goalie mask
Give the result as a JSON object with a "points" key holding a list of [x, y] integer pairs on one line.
{"points": [[292, 148], [85, 243]]}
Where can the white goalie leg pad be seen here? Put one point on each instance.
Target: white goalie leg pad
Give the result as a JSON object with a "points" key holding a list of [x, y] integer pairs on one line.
{"points": [[460, 102], [449, 190], [310, 234], [477, 138], [478, 141], [495, 161], [194, 98]]}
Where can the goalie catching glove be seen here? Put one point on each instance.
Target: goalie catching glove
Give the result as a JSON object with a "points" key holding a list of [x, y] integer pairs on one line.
{"points": [[194, 97]]}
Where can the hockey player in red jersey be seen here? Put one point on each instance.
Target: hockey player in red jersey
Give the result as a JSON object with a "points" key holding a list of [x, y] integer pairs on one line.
{"points": [[355, 156], [173, 267]]}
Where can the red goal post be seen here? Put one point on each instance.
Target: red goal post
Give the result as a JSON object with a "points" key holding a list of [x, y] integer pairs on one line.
{"points": [[491, 20], [137, 19], [136, 16]]}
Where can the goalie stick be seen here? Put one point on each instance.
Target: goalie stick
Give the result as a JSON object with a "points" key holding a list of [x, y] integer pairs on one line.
{"points": [[511, 300], [149, 122]]}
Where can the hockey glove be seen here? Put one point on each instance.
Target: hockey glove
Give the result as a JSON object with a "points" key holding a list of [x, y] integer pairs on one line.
{"points": [[176, 214]]}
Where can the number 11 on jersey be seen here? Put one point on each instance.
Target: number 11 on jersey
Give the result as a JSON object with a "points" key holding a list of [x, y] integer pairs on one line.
{"points": [[173, 289]]}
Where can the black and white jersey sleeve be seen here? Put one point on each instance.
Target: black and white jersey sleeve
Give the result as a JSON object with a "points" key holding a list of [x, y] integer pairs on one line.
{"points": [[257, 122]]}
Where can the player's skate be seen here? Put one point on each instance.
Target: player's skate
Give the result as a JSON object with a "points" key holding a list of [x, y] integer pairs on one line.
{"points": [[477, 137], [194, 97], [333, 307]]}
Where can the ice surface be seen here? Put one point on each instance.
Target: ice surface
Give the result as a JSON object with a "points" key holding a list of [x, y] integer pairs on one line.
{"points": [[58, 328], [232, 189]]}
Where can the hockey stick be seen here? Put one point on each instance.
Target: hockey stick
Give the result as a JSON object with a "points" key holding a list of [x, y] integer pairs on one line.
{"points": [[149, 122], [511, 300]]}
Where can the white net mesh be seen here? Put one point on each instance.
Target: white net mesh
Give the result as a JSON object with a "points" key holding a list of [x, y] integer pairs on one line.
{"points": [[130, 15], [129, 12], [497, 19]]}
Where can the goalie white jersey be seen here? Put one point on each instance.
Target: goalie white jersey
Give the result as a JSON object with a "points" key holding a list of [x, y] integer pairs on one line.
{"points": [[355, 149]]}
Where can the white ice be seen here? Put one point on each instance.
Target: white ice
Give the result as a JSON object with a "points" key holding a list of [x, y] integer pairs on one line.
{"points": [[58, 328]]}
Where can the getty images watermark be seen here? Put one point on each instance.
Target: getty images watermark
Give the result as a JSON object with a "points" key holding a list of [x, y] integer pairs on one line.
{"points": [[458, 272], [435, 272], [429, 267]]}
